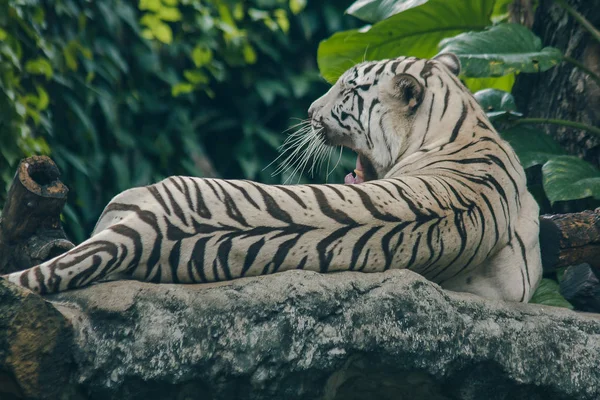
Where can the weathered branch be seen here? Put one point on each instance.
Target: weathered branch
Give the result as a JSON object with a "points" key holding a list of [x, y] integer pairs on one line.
{"points": [[30, 228], [570, 239]]}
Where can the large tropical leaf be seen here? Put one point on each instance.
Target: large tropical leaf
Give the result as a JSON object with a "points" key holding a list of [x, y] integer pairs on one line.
{"points": [[570, 178], [501, 50], [496, 103], [378, 10], [533, 147], [548, 294], [414, 32], [504, 83]]}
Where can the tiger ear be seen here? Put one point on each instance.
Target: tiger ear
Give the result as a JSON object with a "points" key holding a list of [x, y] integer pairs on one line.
{"points": [[407, 90], [450, 61]]}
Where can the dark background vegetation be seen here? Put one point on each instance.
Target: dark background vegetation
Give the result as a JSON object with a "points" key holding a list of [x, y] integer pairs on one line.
{"points": [[124, 93], [116, 103]]}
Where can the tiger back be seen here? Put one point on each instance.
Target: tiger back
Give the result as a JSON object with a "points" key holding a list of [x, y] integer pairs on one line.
{"points": [[436, 190]]}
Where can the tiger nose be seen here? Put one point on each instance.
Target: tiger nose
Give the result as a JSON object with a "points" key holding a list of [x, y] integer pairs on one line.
{"points": [[311, 111]]}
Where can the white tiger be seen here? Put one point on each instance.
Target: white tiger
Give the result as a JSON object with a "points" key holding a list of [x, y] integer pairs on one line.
{"points": [[436, 191]]}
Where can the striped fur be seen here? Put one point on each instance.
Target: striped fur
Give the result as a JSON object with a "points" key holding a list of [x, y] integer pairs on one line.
{"points": [[446, 198]]}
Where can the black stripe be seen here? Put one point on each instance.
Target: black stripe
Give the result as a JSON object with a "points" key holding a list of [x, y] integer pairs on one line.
{"points": [[197, 258], [209, 184], [174, 261], [334, 189], [293, 195], [223, 257], [360, 244], [136, 238], [282, 251], [370, 207], [524, 255], [186, 193], [428, 119], [201, 207], [326, 208], [272, 207], [175, 205], [415, 251], [156, 194], [369, 67], [388, 251], [231, 208], [446, 98], [461, 120], [251, 254], [326, 256], [244, 193]]}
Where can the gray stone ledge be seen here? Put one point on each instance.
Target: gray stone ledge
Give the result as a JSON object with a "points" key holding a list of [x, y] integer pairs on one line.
{"points": [[302, 335]]}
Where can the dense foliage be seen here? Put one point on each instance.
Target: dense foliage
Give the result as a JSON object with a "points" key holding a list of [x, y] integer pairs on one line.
{"points": [[123, 93]]}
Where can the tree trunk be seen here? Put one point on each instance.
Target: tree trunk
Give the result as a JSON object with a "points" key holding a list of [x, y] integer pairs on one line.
{"points": [[565, 92], [30, 228]]}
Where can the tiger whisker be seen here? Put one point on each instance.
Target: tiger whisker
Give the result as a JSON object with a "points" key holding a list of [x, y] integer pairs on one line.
{"points": [[336, 164]]}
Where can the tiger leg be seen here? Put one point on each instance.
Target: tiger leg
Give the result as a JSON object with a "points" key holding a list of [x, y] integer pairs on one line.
{"points": [[515, 271]]}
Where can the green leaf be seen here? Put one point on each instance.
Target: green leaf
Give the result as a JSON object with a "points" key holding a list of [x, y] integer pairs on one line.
{"points": [[43, 99], [196, 77], [414, 32], [70, 55], [39, 66], [378, 10], [500, 50], [504, 83], [297, 6], [152, 5], [496, 103], [570, 178], [282, 20], [201, 56], [171, 14], [181, 88], [3, 34], [533, 147], [548, 294], [159, 29], [147, 34], [249, 54], [162, 32]]}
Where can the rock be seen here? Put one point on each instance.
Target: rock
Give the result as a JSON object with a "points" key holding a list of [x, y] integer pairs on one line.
{"points": [[302, 335], [35, 345]]}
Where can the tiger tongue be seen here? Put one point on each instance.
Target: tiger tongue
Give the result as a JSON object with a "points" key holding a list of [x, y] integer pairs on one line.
{"points": [[359, 178]]}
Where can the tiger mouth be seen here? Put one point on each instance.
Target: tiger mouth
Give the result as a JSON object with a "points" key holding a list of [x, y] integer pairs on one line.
{"points": [[363, 172]]}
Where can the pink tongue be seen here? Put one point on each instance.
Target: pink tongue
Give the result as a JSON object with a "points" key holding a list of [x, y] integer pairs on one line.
{"points": [[350, 179]]}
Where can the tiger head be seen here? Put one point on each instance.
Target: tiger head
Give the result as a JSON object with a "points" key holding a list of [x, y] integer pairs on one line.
{"points": [[378, 109]]}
